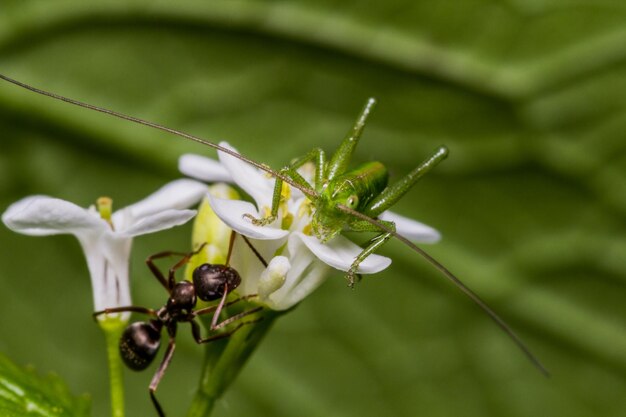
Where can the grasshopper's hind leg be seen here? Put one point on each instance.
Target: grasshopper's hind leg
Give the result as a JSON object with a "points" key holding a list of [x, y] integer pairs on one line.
{"points": [[390, 195], [387, 198], [317, 155]]}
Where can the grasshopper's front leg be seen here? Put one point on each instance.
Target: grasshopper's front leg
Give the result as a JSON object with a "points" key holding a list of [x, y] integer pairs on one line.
{"points": [[376, 243], [324, 171], [340, 160], [319, 157]]}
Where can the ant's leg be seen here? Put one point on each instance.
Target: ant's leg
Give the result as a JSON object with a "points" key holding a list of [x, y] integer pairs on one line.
{"points": [[290, 171], [195, 330], [231, 244], [132, 309], [393, 193], [236, 317], [253, 249], [156, 271], [211, 309], [159, 374], [218, 310], [172, 271], [170, 281]]}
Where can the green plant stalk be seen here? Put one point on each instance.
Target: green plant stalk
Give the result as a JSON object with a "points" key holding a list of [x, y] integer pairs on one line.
{"points": [[113, 328], [224, 359]]}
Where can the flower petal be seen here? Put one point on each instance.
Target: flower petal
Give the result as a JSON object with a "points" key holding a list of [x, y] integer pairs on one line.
{"points": [[107, 260], [203, 168], [247, 263], [273, 277], [308, 280], [341, 252], [159, 221], [178, 194], [254, 182], [305, 275], [42, 215], [231, 212], [412, 229]]}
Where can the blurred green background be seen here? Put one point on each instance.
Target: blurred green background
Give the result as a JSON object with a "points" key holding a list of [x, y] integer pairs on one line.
{"points": [[530, 97]]}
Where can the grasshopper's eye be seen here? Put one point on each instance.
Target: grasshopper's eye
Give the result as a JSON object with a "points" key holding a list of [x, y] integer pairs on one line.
{"points": [[352, 201]]}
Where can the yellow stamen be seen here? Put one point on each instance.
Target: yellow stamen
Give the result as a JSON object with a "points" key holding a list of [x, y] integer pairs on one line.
{"points": [[304, 209], [105, 208], [285, 192], [287, 221]]}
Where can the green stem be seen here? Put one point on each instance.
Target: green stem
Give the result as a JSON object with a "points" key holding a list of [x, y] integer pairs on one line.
{"points": [[225, 358], [113, 328]]}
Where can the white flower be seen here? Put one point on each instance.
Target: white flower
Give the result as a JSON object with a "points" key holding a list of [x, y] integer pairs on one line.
{"points": [[106, 242], [299, 267]]}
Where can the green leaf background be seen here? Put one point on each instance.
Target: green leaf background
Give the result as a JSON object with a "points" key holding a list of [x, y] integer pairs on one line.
{"points": [[530, 97], [23, 392]]}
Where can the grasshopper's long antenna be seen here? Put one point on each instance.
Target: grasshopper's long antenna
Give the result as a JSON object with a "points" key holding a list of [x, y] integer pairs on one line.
{"points": [[312, 194], [308, 192], [458, 283]]}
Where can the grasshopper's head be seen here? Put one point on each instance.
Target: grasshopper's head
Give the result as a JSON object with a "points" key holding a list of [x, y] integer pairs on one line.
{"points": [[327, 220], [326, 224]]}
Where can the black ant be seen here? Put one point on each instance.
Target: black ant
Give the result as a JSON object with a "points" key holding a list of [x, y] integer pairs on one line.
{"points": [[141, 340]]}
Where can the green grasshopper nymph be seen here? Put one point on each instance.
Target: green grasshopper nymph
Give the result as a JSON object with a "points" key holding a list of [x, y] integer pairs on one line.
{"points": [[339, 192], [342, 198]]}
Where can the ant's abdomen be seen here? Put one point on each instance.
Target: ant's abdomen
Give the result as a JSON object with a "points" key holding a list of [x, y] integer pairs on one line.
{"points": [[139, 345]]}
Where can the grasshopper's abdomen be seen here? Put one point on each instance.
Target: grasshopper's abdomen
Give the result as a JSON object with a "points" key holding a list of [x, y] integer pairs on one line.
{"points": [[365, 182]]}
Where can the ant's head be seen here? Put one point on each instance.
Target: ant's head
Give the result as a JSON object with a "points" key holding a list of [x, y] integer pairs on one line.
{"points": [[211, 280], [182, 299], [139, 344]]}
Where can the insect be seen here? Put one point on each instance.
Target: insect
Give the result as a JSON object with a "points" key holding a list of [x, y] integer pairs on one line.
{"points": [[363, 189], [333, 196], [141, 340]]}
